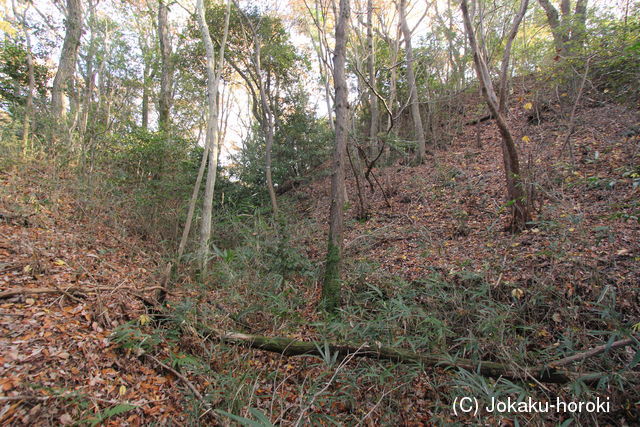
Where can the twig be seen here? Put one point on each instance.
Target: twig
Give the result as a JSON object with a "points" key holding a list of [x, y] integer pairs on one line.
{"points": [[384, 194], [572, 119], [184, 379], [101, 307], [30, 398], [236, 319], [363, 209], [68, 295], [29, 291], [342, 364], [593, 352], [384, 394], [70, 290]]}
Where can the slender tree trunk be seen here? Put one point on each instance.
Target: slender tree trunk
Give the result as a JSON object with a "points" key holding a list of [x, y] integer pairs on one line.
{"points": [[213, 81], [520, 212], [225, 111], [321, 49], [68, 57], [166, 75], [89, 86], [327, 98], [324, 76], [506, 55], [108, 103], [267, 125], [393, 84], [32, 84], [28, 112], [192, 204], [332, 278], [89, 81], [373, 99], [147, 47], [265, 113], [413, 90], [357, 168], [74, 108], [145, 96]]}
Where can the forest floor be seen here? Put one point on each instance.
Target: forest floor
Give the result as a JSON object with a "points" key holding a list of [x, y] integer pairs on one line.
{"points": [[432, 270]]}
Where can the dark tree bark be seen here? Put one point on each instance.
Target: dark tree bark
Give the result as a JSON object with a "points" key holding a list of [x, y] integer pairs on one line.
{"points": [[332, 277]]}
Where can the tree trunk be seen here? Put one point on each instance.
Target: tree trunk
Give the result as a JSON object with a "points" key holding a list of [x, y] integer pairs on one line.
{"points": [[89, 81], [145, 96], [579, 30], [262, 109], [358, 168], [147, 48], [213, 80], [267, 123], [32, 84], [373, 99], [68, 57], [568, 31], [413, 90], [192, 204], [392, 90], [520, 213], [28, 112], [331, 285], [321, 51], [553, 19], [506, 55], [166, 75]]}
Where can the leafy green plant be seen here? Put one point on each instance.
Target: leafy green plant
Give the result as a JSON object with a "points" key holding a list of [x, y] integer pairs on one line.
{"points": [[129, 336], [328, 357]]}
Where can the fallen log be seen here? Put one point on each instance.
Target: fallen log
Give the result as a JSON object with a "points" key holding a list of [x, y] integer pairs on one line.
{"points": [[479, 120], [293, 347], [73, 290], [33, 291]]}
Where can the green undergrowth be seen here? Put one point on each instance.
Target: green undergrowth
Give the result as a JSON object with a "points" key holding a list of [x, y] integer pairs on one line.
{"points": [[263, 282]]}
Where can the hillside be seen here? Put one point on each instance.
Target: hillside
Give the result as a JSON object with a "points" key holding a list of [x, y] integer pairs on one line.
{"points": [[433, 271]]}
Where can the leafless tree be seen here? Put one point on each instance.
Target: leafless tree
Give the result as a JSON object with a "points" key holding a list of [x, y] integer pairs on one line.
{"points": [[519, 207]]}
